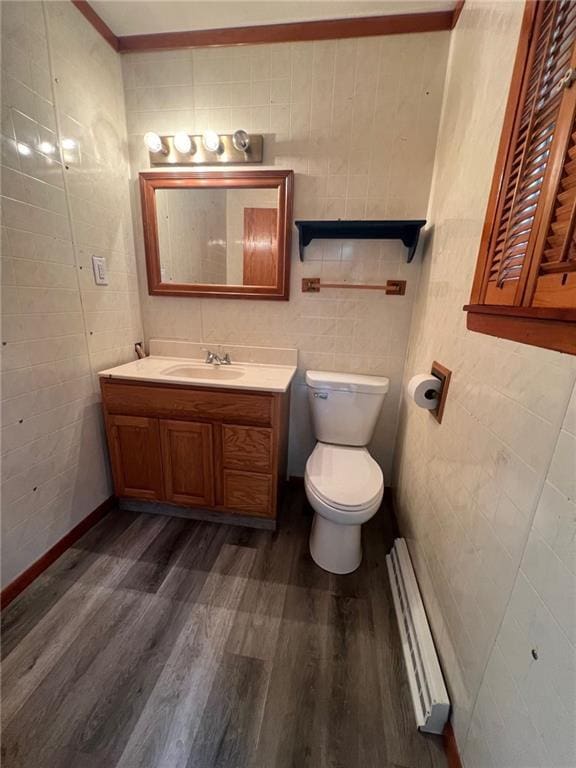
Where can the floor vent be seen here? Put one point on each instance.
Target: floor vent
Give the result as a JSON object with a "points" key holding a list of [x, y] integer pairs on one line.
{"points": [[429, 695]]}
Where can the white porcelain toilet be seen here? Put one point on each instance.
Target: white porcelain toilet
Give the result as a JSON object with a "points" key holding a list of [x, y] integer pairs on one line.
{"points": [[344, 484]]}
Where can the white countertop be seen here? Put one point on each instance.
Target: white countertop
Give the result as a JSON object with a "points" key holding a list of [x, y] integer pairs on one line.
{"points": [[251, 376]]}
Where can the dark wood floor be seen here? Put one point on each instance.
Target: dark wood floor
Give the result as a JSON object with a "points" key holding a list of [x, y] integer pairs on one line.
{"points": [[161, 642]]}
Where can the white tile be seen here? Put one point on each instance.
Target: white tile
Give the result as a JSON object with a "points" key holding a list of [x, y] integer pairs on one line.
{"points": [[555, 522], [562, 473], [553, 581]]}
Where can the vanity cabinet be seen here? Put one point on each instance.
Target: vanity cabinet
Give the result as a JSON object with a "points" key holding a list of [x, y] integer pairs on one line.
{"points": [[222, 450]]}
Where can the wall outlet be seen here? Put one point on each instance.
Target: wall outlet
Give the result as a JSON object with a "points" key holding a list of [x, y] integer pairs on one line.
{"points": [[100, 271]]}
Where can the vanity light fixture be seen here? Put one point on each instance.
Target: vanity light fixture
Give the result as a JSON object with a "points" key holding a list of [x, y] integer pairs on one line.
{"points": [[208, 148], [154, 143], [211, 141], [182, 143], [241, 140]]}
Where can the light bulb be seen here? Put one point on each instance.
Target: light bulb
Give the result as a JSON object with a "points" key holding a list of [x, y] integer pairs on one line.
{"points": [[46, 148], [182, 143], [153, 142], [211, 141], [68, 144], [23, 149], [241, 140]]}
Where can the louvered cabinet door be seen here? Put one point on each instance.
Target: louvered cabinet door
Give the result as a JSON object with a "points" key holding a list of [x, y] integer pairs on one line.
{"points": [[552, 278], [542, 100]]}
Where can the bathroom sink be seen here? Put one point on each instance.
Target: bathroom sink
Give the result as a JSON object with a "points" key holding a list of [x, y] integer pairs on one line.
{"points": [[194, 372], [203, 372]]}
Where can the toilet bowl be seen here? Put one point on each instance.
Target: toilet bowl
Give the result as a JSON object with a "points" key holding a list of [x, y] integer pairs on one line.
{"points": [[344, 484]]}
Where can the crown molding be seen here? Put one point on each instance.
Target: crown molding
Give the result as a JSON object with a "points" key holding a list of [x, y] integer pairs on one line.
{"points": [[328, 29]]}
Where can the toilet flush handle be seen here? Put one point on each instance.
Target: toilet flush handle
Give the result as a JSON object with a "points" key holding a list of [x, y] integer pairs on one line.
{"points": [[321, 395]]}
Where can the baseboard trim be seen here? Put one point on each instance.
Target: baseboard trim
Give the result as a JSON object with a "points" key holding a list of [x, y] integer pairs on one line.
{"points": [[451, 748], [12, 590]]}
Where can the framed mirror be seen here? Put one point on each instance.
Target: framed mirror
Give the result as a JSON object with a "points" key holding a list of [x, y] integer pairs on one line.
{"points": [[218, 233]]}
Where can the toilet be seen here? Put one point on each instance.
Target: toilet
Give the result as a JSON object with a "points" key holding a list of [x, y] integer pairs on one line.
{"points": [[344, 484]]}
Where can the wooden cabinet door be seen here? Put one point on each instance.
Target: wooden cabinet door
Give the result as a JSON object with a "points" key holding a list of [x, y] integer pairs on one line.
{"points": [[187, 459], [135, 456]]}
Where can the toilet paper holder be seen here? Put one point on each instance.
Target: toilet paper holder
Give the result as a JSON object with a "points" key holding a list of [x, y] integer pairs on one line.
{"points": [[444, 374]]}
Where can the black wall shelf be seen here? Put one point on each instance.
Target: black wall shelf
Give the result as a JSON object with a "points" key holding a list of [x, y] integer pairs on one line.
{"points": [[408, 231]]}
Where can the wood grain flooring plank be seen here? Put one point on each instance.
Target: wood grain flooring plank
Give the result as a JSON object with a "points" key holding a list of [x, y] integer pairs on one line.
{"points": [[295, 714], [164, 643], [65, 693], [255, 629], [30, 661], [30, 606], [198, 557], [232, 716], [94, 706], [167, 727], [154, 564], [354, 733], [139, 663], [405, 745]]}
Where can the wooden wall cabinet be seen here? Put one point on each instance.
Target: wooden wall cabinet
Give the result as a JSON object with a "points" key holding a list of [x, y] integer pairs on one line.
{"points": [[214, 449], [525, 283]]}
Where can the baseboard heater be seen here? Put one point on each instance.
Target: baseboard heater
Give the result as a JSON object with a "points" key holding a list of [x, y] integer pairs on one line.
{"points": [[429, 694]]}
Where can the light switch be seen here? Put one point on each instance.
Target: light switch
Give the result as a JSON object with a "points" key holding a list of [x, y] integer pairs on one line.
{"points": [[100, 272]]}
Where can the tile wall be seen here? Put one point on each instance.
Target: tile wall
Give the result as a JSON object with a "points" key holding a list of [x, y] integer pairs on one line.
{"points": [[526, 708], [487, 498], [357, 122], [61, 86]]}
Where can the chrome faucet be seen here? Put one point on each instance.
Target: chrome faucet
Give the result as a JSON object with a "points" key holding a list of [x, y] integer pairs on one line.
{"points": [[216, 358]]}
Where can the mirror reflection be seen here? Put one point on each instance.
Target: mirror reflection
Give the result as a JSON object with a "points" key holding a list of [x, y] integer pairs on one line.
{"points": [[218, 236]]}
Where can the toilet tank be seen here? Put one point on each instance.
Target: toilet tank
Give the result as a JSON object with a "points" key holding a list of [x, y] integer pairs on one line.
{"points": [[345, 406]]}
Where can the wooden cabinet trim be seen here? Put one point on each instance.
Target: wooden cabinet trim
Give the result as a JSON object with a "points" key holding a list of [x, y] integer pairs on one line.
{"points": [[550, 334], [531, 313], [196, 404]]}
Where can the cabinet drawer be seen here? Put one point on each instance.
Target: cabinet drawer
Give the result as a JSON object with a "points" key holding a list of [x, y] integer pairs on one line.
{"points": [[180, 403], [248, 448], [245, 492]]}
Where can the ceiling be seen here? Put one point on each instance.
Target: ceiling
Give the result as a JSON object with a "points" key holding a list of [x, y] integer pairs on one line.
{"points": [[140, 17]]}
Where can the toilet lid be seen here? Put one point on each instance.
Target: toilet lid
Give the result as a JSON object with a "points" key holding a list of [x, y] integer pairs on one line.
{"points": [[343, 476]]}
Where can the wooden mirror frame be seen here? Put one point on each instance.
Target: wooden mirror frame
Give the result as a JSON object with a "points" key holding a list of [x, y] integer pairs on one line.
{"points": [[249, 179]]}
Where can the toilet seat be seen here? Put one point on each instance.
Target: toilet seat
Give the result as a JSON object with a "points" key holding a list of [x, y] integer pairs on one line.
{"points": [[350, 517], [344, 478]]}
